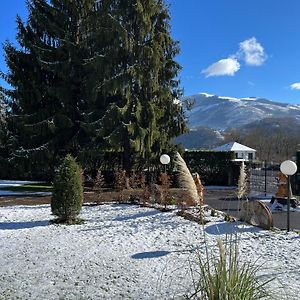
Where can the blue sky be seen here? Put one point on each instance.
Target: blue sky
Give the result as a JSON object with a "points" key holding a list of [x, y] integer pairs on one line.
{"points": [[248, 48]]}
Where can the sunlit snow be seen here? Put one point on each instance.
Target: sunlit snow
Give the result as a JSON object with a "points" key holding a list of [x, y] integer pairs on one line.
{"points": [[126, 252]]}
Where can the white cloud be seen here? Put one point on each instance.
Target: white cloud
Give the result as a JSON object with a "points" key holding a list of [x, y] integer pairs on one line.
{"points": [[227, 66], [295, 86], [252, 52]]}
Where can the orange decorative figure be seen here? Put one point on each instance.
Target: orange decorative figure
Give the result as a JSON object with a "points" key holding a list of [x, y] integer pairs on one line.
{"points": [[199, 187], [281, 185]]}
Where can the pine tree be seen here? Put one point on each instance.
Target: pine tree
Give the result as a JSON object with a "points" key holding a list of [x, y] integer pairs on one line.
{"points": [[144, 115], [100, 76], [51, 79], [2, 118], [6, 169]]}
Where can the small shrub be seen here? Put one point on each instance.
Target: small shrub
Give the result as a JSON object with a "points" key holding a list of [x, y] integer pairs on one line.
{"points": [[99, 181], [134, 180], [146, 194], [164, 188], [98, 185], [120, 184], [67, 197], [142, 180]]}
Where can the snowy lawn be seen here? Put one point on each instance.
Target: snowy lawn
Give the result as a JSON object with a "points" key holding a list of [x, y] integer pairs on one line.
{"points": [[125, 252], [7, 185]]}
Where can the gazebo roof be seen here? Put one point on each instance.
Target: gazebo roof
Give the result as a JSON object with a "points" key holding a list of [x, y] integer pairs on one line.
{"points": [[233, 146]]}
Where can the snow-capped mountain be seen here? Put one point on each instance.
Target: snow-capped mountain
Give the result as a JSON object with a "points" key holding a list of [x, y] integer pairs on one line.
{"points": [[222, 113]]}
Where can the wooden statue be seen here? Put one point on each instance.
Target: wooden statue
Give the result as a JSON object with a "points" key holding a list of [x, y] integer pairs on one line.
{"points": [[199, 187], [281, 186]]}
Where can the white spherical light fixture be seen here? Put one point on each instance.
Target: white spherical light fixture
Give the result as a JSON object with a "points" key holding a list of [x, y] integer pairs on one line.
{"points": [[288, 167], [164, 159]]}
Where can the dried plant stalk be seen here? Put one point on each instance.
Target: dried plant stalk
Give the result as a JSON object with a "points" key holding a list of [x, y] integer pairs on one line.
{"points": [[99, 181], [186, 179], [242, 184]]}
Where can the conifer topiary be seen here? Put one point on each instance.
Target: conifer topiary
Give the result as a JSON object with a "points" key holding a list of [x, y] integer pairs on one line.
{"points": [[67, 197]]}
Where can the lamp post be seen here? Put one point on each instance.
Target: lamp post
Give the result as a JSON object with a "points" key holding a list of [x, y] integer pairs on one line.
{"points": [[265, 178], [288, 168], [165, 159]]}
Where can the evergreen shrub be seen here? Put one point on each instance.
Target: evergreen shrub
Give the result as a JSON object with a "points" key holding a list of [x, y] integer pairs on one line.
{"points": [[67, 197]]}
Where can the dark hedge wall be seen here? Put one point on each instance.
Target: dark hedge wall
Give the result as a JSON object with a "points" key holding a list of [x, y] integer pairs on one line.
{"points": [[214, 167], [295, 180]]}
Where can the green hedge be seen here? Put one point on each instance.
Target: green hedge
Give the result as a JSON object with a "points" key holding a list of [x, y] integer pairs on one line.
{"points": [[214, 167], [295, 180]]}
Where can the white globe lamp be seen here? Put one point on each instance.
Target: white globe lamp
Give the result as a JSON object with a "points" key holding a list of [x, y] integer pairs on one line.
{"points": [[165, 159], [288, 168]]}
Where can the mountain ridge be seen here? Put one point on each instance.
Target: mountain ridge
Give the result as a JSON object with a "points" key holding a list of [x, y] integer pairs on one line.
{"points": [[223, 113], [270, 126]]}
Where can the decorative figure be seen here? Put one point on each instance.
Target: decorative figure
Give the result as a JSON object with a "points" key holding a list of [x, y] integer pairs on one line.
{"points": [[280, 199], [281, 185], [199, 186]]}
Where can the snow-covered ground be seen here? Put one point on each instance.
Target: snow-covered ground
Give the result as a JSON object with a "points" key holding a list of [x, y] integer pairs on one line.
{"points": [[12, 183], [24, 193], [8, 183], [126, 252]]}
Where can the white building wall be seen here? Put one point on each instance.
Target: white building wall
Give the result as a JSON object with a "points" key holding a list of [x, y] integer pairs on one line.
{"points": [[245, 155]]}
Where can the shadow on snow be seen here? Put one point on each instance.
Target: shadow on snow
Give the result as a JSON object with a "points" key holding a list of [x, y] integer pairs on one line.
{"points": [[22, 225], [138, 215], [229, 228], [150, 254]]}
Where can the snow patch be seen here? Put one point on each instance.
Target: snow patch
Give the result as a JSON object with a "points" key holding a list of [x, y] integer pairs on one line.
{"points": [[249, 99], [229, 98], [207, 95]]}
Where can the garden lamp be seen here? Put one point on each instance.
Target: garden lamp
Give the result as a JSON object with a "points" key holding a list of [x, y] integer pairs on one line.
{"points": [[288, 168]]}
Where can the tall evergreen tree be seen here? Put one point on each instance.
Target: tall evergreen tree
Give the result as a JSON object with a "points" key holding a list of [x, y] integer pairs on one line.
{"points": [[5, 167], [49, 79], [93, 75], [2, 114], [145, 113], [2, 125]]}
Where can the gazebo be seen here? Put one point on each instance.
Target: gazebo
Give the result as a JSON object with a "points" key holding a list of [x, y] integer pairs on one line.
{"points": [[241, 152]]}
